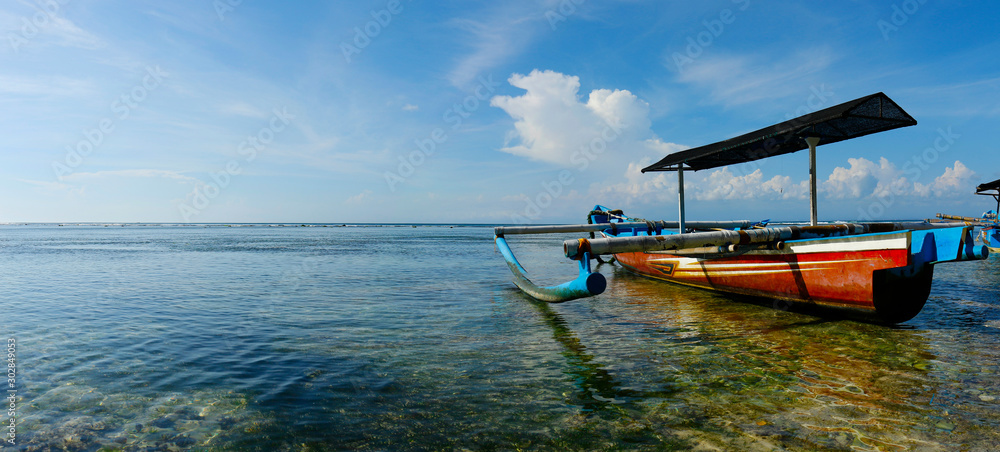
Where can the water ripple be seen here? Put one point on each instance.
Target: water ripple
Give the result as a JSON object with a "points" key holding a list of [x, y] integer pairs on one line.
{"points": [[260, 338]]}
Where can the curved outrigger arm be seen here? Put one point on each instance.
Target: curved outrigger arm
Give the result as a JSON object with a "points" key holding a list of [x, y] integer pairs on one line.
{"points": [[586, 284]]}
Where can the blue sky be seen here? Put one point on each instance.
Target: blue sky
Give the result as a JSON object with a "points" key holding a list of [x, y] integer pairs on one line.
{"points": [[481, 112]]}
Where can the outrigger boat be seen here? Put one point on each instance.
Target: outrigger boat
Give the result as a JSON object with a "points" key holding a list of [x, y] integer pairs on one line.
{"points": [[878, 271], [989, 233]]}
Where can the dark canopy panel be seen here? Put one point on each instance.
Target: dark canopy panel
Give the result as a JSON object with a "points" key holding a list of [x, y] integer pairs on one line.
{"points": [[989, 186], [859, 117]]}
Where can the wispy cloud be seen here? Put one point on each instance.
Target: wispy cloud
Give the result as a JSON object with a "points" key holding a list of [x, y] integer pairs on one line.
{"points": [[509, 29], [45, 86], [66, 33], [746, 79], [240, 108], [360, 198], [968, 98], [48, 185], [140, 173], [38, 25]]}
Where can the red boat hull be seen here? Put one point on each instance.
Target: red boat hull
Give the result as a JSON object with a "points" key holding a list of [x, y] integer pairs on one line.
{"points": [[870, 275]]}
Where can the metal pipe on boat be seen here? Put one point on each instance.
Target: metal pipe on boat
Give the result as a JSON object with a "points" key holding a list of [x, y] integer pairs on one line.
{"points": [[726, 249], [958, 218], [614, 245], [500, 231], [910, 225]]}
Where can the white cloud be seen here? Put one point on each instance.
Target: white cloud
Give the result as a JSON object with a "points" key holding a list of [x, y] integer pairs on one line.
{"points": [[866, 179], [860, 180], [410, 107], [658, 186], [723, 184], [957, 180], [360, 198], [720, 184], [554, 125]]}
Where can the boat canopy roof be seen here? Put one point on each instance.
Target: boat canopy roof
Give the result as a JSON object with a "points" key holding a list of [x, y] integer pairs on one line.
{"points": [[859, 117], [982, 189]]}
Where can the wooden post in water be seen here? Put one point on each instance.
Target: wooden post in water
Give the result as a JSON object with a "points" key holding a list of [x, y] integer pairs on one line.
{"points": [[813, 216]]}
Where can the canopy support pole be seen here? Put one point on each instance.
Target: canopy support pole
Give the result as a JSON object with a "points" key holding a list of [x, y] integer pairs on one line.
{"points": [[680, 195], [813, 216]]}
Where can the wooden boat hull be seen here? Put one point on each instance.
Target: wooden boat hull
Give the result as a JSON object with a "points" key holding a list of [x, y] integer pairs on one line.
{"points": [[885, 277]]}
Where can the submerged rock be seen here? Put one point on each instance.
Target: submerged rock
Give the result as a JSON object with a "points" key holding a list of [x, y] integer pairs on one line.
{"points": [[183, 441], [163, 422]]}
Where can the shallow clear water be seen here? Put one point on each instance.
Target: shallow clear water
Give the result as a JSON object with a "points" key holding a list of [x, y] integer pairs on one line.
{"points": [[291, 338]]}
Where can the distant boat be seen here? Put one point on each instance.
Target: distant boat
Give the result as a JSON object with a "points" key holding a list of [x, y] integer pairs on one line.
{"points": [[990, 232], [878, 271]]}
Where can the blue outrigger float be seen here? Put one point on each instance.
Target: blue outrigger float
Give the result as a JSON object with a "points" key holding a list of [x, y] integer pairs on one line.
{"points": [[876, 271]]}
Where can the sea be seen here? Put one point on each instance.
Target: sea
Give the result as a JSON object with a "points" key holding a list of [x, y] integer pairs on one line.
{"points": [[412, 337]]}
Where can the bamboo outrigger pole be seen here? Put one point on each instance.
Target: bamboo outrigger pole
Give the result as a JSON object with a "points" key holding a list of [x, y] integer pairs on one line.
{"points": [[722, 240], [500, 231]]}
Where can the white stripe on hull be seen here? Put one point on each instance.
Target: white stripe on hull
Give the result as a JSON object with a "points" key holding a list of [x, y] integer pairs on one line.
{"points": [[710, 264], [748, 273], [847, 246]]}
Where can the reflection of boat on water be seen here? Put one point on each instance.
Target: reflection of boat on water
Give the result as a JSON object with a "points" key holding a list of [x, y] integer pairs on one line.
{"points": [[596, 388], [701, 367], [881, 271], [990, 232]]}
